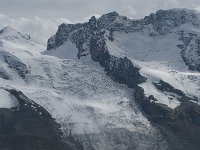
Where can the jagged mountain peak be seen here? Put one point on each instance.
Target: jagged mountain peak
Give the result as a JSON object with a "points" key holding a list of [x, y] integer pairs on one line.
{"points": [[161, 22], [112, 14], [177, 12]]}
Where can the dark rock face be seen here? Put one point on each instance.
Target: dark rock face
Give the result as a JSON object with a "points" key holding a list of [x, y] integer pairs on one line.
{"points": [[120, 69], [63, 32], [107, 19], [190, 50], [181, 126], [166, 87], [183, 132], [51, 43], [15, 63], [93, 23], [30, 127], [4, 74], [164, 21]]}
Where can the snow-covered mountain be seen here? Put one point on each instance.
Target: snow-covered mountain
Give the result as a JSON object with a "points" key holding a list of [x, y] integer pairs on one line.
{"points": [[80, 96], [111, 83], [156, 56]]}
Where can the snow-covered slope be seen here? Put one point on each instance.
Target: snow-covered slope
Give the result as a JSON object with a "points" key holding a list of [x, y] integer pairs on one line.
{"points": [[79, 95]]}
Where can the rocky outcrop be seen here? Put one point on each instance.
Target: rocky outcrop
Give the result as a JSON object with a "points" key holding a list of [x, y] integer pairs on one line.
{"points": [[29, 126], [4, 74], [121, 70], [181, 96], [164, 21], [14, 63], [190, 50], [180, 126]]}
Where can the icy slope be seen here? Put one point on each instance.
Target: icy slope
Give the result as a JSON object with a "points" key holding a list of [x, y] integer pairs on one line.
{"points": [[89, 105]]}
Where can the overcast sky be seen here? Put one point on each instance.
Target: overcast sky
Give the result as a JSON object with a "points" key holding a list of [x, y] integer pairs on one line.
{"points": [[40, 18]]}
